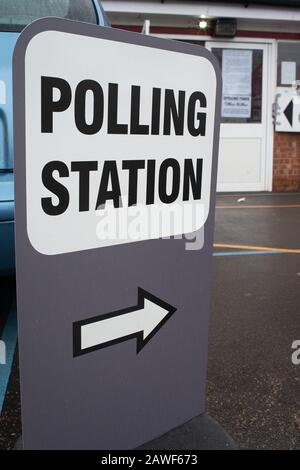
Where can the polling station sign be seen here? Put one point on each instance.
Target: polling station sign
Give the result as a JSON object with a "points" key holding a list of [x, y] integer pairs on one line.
{"points": [[116, 139], [108, 143]]}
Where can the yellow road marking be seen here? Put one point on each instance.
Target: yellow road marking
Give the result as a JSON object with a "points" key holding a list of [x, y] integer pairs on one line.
{"points": [[257, 248], [266, 206]]}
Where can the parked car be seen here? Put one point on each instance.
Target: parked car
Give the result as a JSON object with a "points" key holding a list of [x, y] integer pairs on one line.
{"points": [[14, 16]]}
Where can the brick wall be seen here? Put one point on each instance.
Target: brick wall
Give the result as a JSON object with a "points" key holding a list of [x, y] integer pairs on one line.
{"points": [[286, 163]]}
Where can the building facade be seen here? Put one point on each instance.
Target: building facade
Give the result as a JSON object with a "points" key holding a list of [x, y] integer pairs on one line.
{"points": [[257, 44]]}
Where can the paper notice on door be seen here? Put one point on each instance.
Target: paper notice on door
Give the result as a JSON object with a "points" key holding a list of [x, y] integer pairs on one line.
{"points": [[288, 73], [236, 106], [237, 83]]}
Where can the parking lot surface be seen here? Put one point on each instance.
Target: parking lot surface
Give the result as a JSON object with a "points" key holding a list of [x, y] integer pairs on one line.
{"points": [[253, 388]]}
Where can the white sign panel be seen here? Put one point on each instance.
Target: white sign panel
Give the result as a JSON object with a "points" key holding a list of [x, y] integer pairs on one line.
{"points": [[288, 73], [237, 82], [118, 152], [287, 110]]}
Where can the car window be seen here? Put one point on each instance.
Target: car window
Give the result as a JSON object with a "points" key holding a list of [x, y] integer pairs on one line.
{"points": [[16, 14]]}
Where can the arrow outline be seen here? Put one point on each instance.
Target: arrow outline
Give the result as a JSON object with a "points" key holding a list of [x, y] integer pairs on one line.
{"points": [[140, 343]]}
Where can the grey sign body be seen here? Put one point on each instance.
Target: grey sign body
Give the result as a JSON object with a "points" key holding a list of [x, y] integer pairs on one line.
{"points": [[82, 386]]}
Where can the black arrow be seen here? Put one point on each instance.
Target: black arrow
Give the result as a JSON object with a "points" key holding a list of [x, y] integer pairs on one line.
{"points": [[289, 112], [141, 322]]}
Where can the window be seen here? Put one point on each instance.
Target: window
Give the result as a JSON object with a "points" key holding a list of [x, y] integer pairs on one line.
{"points": [[242, 84], [16, 14], [288, 63]]}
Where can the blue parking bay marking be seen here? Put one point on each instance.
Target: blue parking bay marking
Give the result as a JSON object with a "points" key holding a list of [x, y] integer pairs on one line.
{"points": [[239, 253], [9, 337]]}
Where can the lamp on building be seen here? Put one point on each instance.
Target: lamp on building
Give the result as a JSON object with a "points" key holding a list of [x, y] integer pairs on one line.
{"points": [[203, 23]]}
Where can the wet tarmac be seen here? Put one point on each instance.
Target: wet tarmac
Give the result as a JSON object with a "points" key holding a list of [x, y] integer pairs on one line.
{"points": [[253, 388]]}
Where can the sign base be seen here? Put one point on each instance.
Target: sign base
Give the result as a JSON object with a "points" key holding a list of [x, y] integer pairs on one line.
{"points": [[200, 433]]}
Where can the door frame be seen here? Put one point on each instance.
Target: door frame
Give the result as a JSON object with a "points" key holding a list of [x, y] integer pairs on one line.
{"points": [[271, 60], [259, 129]]}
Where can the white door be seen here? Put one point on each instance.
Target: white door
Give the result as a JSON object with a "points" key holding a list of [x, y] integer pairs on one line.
{"points": [[243, 135]]}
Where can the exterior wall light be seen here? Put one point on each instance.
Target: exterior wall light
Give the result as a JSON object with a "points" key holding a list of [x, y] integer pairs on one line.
{"points": [[202, 24]]}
